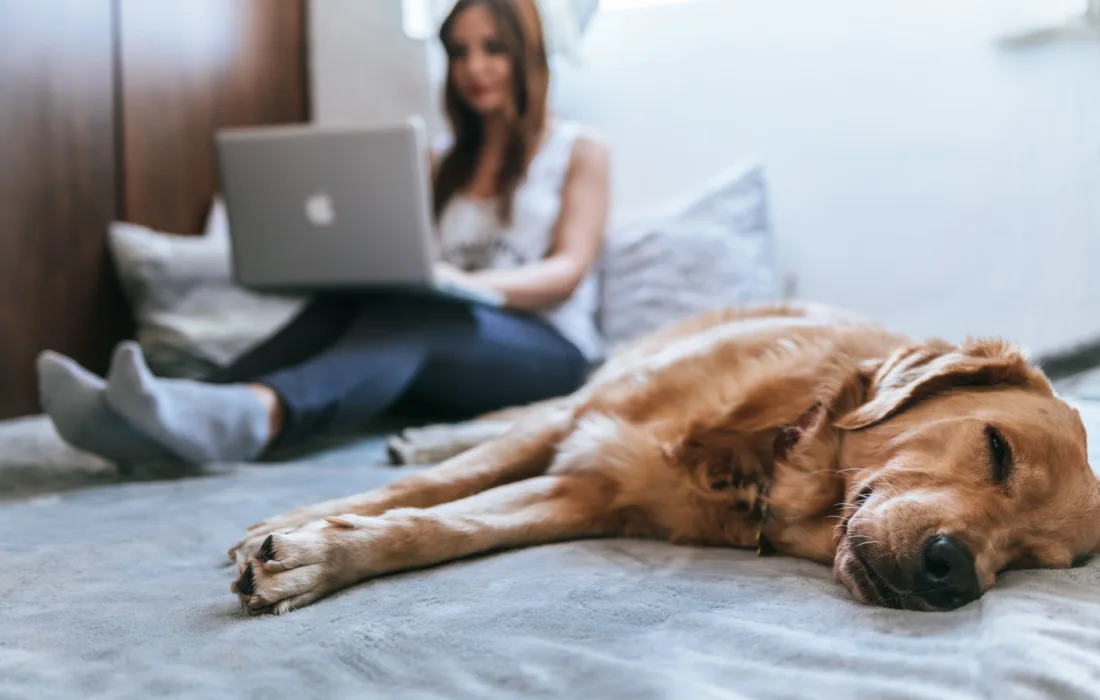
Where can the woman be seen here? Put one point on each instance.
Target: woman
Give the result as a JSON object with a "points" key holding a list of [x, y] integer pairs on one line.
{"points": [[521, 201]]}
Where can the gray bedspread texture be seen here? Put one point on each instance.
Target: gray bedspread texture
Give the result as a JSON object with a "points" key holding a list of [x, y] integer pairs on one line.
{"points": [[121, 590]]}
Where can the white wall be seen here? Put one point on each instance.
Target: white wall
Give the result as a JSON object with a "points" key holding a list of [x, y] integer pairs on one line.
{"points": [[919, 173], [364, 69]]}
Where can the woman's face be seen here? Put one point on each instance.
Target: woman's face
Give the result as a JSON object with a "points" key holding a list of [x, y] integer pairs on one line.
{"points": [[480, 66]]}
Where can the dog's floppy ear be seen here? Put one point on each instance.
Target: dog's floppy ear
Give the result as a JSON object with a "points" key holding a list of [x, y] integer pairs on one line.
{"points": [[917, 371]]}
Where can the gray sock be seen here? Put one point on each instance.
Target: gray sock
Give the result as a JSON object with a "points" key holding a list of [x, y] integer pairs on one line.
{"points": [[201, 422], [75, 401]]}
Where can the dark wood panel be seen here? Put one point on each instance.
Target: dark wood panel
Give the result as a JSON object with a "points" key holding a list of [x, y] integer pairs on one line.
{"points": [[189, 67], [57, 190]]}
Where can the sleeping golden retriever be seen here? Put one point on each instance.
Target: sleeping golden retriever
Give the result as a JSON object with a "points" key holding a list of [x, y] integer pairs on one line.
{"points": [[918, 471]]}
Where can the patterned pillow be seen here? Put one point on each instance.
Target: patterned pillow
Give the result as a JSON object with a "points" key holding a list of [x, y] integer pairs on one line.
{"points": [[715, 250], [190, 315]]}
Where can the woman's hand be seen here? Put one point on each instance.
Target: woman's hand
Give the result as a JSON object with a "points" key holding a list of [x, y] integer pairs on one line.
{"points": [[449, 274], [459, 279]]}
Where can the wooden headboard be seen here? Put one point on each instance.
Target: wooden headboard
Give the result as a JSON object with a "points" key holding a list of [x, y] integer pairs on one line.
{"points": [[107, 112]]}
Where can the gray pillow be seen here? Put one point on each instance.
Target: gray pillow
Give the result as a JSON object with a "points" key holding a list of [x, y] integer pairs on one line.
{"points": [[715, 249]]}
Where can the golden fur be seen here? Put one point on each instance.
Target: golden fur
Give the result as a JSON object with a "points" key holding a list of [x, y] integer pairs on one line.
{"points": [[824, 436]]}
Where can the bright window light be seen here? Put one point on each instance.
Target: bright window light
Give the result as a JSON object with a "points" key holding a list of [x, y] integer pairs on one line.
{"points": [[418, 18], [612, 5]]}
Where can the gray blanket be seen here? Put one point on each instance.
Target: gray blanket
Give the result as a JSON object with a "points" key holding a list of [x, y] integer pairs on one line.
{"points": [[120, 591]]}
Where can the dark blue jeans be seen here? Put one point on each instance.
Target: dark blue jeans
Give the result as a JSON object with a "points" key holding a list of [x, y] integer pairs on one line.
{"points": [[347, 358]]}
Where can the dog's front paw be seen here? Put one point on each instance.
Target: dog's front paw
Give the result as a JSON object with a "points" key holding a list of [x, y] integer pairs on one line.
{"points": [[289, 570], [246, 549]]}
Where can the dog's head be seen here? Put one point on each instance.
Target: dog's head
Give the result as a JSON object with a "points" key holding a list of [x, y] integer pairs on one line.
{"points": [[960, 463]]}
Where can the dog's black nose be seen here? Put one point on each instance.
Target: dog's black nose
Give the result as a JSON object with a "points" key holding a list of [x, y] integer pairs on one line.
{"points": [[946, 578]]}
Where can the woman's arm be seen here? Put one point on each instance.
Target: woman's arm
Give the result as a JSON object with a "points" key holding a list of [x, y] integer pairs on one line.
{"points": [[578, 238]]}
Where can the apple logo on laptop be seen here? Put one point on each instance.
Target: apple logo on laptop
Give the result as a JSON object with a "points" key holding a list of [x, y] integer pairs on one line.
{"points": [[320, 210]]}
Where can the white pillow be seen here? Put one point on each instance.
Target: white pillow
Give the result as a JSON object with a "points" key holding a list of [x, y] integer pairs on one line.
{"points": [[190, 315], [715, 249]]}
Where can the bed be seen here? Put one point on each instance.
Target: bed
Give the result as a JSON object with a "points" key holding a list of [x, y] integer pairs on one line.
{"points": [[119, 588]]}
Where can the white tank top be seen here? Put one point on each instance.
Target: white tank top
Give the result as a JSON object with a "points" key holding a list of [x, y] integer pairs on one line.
{"points": [[472, 238]]}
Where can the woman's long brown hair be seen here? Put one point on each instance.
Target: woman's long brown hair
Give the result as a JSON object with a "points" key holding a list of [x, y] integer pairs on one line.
{"points": [[519, 28]]}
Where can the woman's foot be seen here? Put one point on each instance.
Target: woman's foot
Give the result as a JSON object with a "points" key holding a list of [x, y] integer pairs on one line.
{"points": [[200, 422], [76, 402]]}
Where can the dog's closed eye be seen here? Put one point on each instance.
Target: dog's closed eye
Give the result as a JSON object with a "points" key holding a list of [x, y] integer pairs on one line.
{"points": [[864, 494], [1000, 455]]}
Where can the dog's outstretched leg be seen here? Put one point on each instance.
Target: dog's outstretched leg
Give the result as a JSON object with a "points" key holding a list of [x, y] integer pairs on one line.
{"points": [[522, 453], [295, 568], [435, 443]]}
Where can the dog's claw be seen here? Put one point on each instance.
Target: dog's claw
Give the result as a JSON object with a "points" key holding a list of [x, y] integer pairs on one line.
{"points": [[267, 549], [246, 584]]}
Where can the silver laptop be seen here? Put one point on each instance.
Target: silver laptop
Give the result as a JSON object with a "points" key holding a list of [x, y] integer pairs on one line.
{"points": [[314, 208]]}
